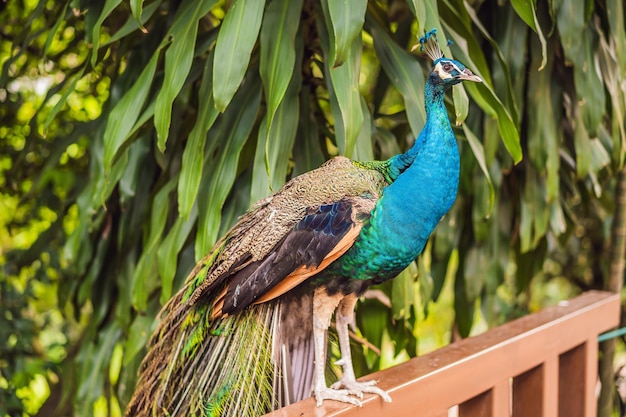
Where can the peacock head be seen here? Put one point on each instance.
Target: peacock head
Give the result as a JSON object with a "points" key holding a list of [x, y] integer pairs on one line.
{"points": [[446, 71]]}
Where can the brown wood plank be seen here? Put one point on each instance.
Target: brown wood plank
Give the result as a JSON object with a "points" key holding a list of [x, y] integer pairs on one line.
{"points": [[479, 406], [528, 393], [572, 370]]}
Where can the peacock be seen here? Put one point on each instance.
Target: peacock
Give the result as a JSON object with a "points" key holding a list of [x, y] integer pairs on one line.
{"points": [[247, 332]]}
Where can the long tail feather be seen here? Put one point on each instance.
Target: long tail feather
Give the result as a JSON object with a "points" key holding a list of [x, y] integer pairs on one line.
{"points": [[238, 365]]}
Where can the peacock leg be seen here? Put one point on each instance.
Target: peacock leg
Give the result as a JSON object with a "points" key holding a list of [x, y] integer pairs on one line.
{"points": [[344, 316], [323, 309]]}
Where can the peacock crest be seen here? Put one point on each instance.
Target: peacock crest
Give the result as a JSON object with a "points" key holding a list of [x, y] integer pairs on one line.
{"points": [[429, 45]]}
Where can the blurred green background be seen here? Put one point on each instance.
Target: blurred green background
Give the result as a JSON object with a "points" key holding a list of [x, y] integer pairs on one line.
{"points": [[134, 132]]}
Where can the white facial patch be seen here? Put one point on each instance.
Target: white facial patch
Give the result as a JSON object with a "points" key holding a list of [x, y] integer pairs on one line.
{"points": [[444, 74]]}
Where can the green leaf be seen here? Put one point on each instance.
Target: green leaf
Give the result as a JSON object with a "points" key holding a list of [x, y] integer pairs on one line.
{"points": [[236, 38], [227, 139], [363, 149], [145, 277], [278, 54], [167, 254], [132, 25], [579, 45], [461, 104], [345, 98], [535, 215], [479, 154], [130, 180], [544, 135], [418, 8], [178, 58], [109, 6], [463, 306], [403, 292], [193, 155], [526, 9], [53, 31], [401, 68], [59, 104], [347, 17], [490, 103], [310, 154], [138, 336], [274, 147], [94, 362], [345, 84], [136, 7], [125, 113]]}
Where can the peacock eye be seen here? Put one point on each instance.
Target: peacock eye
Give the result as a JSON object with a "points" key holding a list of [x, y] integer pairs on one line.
{"points": [[447, 67]]}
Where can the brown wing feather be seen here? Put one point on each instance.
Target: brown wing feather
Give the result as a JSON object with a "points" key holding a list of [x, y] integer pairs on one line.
{"points": [[303, 272]]}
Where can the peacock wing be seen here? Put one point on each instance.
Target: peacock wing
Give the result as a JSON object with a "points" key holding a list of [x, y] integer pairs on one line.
{"points": [[322, 235], [283, 220]]}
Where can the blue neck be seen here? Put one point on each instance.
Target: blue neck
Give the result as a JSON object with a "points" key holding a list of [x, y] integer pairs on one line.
{"points": [[436, 118]]}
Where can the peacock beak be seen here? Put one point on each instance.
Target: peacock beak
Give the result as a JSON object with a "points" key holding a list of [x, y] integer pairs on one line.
{"points": [[468, 75]]}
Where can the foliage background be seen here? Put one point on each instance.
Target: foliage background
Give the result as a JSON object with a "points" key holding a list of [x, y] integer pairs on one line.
{"points": [[133, 133]]}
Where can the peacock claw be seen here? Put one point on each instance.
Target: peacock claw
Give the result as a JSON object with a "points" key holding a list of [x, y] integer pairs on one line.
{"points": [[358, 388], [343, 395]]}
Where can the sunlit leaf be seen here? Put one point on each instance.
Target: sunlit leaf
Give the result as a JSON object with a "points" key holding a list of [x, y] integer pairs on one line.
{"points": [[401, 69], [63, 100], [178, 57], [167, 254], [233, 48], [109, 6], [527, 10], [347, 17], [228, 137], [274, 147], [145, 277], [479, 154], [136, 7], [123, 116], [278, 54], [131, 24], [193, 155]]}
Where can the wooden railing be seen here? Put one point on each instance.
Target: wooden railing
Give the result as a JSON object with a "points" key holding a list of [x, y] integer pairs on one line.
{"points": [[542, 365]]}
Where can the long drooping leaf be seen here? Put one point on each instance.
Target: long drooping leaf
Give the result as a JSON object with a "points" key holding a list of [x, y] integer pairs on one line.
{"points": [[401, 69], [345, 84], [125, 113], [347, 17], [237, 36], [278, 53], [145, 277], [479, 153], [193, 155], [109, 6], [178, 57], [343, 89], [579, 45], [63, 100], [527, 10], [544, 136], [274, 146], [167, 253], [228, 137], [131, 24], [136, 7]]}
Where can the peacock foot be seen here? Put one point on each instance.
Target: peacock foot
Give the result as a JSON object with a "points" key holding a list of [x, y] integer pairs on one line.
{"points": [[358, 388], [344, 395]]}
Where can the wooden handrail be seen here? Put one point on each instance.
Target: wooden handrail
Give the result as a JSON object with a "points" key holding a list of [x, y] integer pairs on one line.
{"points": [[544, 364]]}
